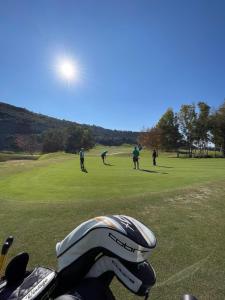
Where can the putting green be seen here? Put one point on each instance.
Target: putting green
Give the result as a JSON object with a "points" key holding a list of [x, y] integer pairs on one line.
{"points": [[58, 177]]}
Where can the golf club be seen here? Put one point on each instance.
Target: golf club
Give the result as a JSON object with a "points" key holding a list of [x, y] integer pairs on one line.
{"points": [[5, 248]]}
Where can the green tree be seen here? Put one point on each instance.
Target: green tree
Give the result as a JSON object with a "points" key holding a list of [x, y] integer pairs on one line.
{"points": [[170, 135], [187, 125], [78, 137], [53, 140], [87, 139], [218, 127], [202, 130]]}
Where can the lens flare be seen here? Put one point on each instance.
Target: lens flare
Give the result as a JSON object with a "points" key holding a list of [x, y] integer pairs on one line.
{"points": [[68, 70]]}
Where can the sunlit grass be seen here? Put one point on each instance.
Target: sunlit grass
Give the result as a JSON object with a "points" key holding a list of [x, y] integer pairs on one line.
{"points": [[181, 200]]}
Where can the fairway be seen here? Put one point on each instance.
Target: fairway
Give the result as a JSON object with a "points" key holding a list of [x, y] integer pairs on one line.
{"points": [[181, 200]]}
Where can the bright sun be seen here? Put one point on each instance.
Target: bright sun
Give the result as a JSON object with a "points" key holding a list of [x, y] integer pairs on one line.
{"points": [[68, 70]]}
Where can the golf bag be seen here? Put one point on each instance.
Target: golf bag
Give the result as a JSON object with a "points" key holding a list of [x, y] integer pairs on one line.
{"points": [[88, 259], [40, 284], [19, 284]]}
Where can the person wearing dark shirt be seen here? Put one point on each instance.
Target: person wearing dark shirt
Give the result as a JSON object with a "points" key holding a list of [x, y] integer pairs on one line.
{"points": [[81, 153], [154, 155], [103, 156]]}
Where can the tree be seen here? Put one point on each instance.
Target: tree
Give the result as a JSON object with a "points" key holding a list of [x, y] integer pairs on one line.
{"points": [[77, 138], [218, 127], [170, 135], [151, 138], [202, 130], [74, 139], [87, 139], [53, 140], [27, 143], [187, 122]]}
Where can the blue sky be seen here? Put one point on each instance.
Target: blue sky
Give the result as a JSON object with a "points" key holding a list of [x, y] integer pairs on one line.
{"points": [[136, 57]]}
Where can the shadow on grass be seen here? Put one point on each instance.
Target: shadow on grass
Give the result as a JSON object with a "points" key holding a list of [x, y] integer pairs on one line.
{"points": [[108, 165], [150, 171], [165, 167]]}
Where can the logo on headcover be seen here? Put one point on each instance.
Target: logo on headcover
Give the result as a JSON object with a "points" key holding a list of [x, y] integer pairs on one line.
{"points": [[121, 243], [125, 222]]}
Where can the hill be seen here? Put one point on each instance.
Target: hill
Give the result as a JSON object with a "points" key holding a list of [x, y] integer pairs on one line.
{"points": [[16, 121]]}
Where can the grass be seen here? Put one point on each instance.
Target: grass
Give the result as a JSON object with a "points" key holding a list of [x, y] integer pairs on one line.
{"points": [[6, 156], [181, 200]]}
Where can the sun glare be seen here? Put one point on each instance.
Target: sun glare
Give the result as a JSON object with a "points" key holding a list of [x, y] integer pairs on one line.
{"points": [[68, 70]]}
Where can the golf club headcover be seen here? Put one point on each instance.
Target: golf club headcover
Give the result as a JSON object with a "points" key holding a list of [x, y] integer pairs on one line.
{"points": [[137, 277], [115, 236], [16, 269], [124, 236]]}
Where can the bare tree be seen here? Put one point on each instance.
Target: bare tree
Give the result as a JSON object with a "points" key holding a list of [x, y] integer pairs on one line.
{"points": [[27, 143], [151, 138]]}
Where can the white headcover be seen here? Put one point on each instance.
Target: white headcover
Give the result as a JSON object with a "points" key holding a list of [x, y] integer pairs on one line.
{"points": [[106, 263], [123, 236]]}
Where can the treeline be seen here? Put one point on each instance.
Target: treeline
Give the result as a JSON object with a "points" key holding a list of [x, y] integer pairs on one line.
{"points": [[109, 137], [195, 128], [69, 139]]}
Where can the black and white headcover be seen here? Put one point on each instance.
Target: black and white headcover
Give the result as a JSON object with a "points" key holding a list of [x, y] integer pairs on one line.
{"points": [[117, 235]]}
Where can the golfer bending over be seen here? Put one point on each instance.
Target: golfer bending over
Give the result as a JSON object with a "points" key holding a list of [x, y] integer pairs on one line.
{"points": [[103, 156], [136, 154]]}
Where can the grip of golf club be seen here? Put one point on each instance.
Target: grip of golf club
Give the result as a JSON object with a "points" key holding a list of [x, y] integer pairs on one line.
{"points": [[4, 251], [10, 240], [5, 248]]}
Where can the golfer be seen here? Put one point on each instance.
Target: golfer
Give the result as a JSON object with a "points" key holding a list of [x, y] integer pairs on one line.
{"points": [[154, 155], [136, 154], [103, 156], [81, 153]]}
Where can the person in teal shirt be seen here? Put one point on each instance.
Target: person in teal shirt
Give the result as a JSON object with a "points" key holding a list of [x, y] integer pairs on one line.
{"points": [[136, 154], [103, 156]]}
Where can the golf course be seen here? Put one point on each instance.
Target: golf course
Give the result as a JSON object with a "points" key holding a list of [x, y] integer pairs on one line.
{"points": [[181, 200]]}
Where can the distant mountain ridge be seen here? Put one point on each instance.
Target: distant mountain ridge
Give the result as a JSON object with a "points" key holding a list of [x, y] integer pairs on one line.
{"points": [[20, 121]]}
